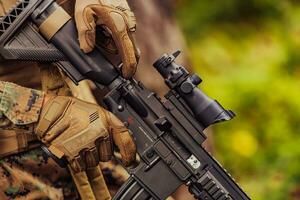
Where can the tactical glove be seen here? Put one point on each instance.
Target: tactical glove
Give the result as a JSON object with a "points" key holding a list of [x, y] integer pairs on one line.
{"points": [[83, 133], [116, 18]]}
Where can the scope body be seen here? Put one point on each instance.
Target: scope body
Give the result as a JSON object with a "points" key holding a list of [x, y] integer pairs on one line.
{"points": [[206, 110]]}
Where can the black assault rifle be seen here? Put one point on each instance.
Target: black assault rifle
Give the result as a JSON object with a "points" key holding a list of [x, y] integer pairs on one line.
{"points": [[168, 134]]}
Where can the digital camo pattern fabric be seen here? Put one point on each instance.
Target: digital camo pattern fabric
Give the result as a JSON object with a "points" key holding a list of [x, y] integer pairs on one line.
{"points": [[19, 104], [31, 176]]}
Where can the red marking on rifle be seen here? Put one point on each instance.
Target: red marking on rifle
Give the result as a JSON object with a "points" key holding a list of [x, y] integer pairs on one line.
{"points": [[130, 120]]}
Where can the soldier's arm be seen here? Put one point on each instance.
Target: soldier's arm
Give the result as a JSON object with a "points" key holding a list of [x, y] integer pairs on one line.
{"points": [[56, 117], [17, 118], [21, 106], [82, 133]]}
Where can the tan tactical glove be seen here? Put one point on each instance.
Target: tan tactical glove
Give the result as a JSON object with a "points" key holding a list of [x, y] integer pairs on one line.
{"points": [[117, 19], [82, 132]]}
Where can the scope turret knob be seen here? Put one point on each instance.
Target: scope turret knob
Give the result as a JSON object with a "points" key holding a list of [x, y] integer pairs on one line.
{"points": [[186, 87], [195, 79]]}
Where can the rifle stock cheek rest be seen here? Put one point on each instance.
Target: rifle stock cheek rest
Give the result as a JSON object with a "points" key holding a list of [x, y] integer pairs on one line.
{"points": [[54, 23]]}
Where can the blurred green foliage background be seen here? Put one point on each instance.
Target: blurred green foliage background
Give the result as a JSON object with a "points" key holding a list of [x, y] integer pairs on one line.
{"points": [[248, 53]]}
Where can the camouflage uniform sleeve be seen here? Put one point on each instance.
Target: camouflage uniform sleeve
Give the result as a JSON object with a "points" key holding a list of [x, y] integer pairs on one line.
{"points": [[19, 104]]}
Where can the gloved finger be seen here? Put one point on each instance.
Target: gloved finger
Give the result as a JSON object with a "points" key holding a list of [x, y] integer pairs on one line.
{"points": [[127, 53], [86, 27], [82, 184], [116, 25], [122, 140], [125, 143], [97, 183], [90, 157], [137, 51], [94, 174], [105, 146]]}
